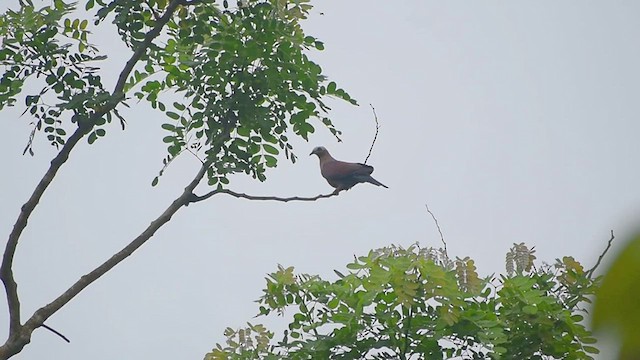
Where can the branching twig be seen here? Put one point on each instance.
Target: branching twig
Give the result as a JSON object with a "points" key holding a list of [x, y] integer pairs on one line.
{"points": [[56, 332], [439, 230], [590, 272], [195, 198], [375, 137]]}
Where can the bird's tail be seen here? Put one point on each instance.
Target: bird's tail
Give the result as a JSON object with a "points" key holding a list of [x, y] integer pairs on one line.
{"points": [[375, 182]]}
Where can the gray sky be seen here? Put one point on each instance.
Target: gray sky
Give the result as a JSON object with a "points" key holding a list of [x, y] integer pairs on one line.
{"points": [[515, 121]]}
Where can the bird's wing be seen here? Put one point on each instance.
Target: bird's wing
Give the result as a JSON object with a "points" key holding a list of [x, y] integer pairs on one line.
{"points": [[336, 170]]}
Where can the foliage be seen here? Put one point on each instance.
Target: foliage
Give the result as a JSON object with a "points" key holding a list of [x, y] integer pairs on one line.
{"points": [[234, 83], [616, 306], [416, 303], [40, 43]]}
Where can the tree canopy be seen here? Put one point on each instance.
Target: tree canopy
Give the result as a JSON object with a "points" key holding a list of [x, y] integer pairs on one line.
{"points": [[417, 303]]}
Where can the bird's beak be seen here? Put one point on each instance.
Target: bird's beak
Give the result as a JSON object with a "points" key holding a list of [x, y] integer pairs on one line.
{"points": [[311, 153]]}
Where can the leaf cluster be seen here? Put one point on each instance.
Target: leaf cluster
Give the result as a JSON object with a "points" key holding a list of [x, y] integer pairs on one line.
{"points": [[234, 82], [52, 48], [416, 303], [246, 81]]}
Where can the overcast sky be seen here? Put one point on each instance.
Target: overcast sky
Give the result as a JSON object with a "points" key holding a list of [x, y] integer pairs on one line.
{"points": [[515, 121]]}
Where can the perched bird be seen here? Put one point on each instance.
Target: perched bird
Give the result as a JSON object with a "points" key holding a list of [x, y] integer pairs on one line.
{"points": [[343, 175]]}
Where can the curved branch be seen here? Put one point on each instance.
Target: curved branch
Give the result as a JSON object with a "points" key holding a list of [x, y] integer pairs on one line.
{"points": [[590, 272], [195, 198], [375, 137], [18, 338], [444, 243], [6, 270]]}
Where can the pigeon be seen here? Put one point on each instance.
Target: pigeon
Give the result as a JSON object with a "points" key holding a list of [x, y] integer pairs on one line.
{"points": [[343, 175]]}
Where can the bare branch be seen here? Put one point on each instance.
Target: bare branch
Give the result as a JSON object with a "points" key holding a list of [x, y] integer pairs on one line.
{"points": [[439, 230], [56, 332], [195, 198], [6, 270], [590, 272], [18, 338], [375, 137], [42, 314]]}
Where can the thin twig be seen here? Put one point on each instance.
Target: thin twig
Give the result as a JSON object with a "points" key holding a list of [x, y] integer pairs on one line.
{"points": [[56, 332], [375, 137], [196, 198], [593, 269], [438, 226], [192, 153], [156, 16]]}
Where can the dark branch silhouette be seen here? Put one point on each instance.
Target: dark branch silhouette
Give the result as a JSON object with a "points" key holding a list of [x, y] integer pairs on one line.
{"points": [[438, 226], [590, 272], [56, 332], [375, 137], [195, 198]]}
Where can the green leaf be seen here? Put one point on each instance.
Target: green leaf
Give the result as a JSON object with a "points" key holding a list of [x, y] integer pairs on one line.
{"points": [[271, 161], [331, 88], [169, 127], [172, 115], [270, 149], [92, 137], [591, 349], [499, 350]]}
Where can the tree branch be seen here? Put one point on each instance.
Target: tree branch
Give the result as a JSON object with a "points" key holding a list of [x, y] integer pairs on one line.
{"points": [[56, 332], [18, 338], [195, 198], [375, 137], [590, 272], [439, 230], [42, 314], [6, 270]]}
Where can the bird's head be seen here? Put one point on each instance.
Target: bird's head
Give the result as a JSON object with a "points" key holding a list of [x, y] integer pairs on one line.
{"points": [[319, 150]]}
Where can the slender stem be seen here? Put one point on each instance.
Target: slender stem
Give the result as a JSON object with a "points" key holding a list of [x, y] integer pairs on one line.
{"points": [[590, 272], [438, 226], [56, 332], [375, 137]]}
